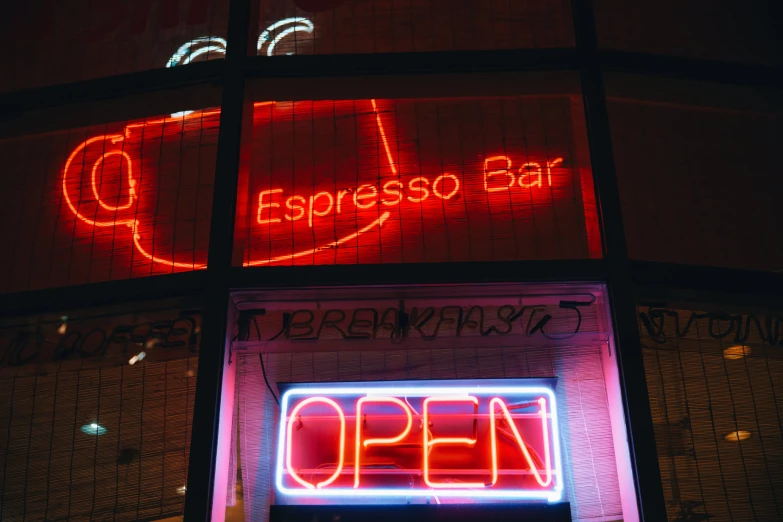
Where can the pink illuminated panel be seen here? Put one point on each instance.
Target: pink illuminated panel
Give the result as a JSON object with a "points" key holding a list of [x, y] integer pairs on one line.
{"points": [[462, 440]]}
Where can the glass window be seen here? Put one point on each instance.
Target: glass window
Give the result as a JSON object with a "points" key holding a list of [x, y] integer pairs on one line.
{"points": [[715, 379], [697, 171], [310, 347], [112, 201], [388, 26], [96, 408], [734, 31], [417, 180], [61, 42]]}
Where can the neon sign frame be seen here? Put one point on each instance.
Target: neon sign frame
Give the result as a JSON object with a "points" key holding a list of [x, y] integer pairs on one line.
{"points": [[433, 391]]}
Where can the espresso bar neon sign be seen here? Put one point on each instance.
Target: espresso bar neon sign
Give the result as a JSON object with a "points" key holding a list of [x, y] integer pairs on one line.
{"points": [[411, 440]]}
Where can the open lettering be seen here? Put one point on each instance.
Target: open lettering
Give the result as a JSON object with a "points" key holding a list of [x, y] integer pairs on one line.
{"points": [[497, 441]]}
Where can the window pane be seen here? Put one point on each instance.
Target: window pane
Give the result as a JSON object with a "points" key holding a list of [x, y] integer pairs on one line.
{"points": [[96, 409], [422, 180], [110, 201], [715, 381], [391, 26], [734, 31], [60, 42], [697, 171], [347, 336]]}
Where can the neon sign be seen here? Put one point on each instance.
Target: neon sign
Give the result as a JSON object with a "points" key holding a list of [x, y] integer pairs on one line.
{"points": [[463, 440]]}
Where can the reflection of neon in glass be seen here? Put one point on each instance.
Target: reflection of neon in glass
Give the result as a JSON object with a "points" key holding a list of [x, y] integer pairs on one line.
{"points": [[341, 442], [306, 26], [189, 55], [133, 192]]}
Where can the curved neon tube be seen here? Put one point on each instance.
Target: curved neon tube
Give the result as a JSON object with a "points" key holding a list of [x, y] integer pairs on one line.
{"points": [[202, 50], [184, 49], [378, 222], [264, 37], [429, 443], [134, 224], [114, 139], [290, 433], [520, 442], [383, 136], [131, 181], [369, 442]]}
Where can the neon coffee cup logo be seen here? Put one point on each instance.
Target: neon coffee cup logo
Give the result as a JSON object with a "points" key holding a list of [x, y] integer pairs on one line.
{"points": [[457, 440]]}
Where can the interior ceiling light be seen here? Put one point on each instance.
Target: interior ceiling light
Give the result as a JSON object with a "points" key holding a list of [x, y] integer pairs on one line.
{"points": [[93, 428], [737, 351], [737, 436]]}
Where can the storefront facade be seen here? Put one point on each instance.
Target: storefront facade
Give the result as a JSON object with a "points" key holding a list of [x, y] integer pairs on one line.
{"points": [[372, 259]]}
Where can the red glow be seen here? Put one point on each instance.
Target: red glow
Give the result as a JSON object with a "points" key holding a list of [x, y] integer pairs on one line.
{"points": [[341, 442], [431, 442], [377, 441], [341, 216]]}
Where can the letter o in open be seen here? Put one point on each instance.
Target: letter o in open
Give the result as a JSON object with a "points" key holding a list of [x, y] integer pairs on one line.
{"points": [[292, 420]]}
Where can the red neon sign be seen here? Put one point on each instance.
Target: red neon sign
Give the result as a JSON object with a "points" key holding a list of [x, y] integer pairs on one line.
{"points": [[376, 440], [370, 191]]}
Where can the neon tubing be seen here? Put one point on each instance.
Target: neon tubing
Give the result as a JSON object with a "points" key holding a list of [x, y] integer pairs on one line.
{"points": [[429, 443], [185, 49], [552, 494], [549, 166], [290, 432], [383, 137], [376, 442], [520, 442], [505, 171], [265, 35], [133, 193], [131, 181]]}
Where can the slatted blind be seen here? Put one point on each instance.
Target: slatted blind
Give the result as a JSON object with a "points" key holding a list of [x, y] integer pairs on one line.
{"points": [[710, 376], [388, 26], [575, 359], [95, 412], [51, 470]]}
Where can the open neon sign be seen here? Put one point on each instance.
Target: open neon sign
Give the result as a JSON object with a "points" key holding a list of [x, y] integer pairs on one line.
{"points": [[452, 439]]}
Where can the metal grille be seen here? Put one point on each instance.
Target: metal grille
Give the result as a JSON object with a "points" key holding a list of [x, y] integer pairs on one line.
{"points": [[716, 385]]}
